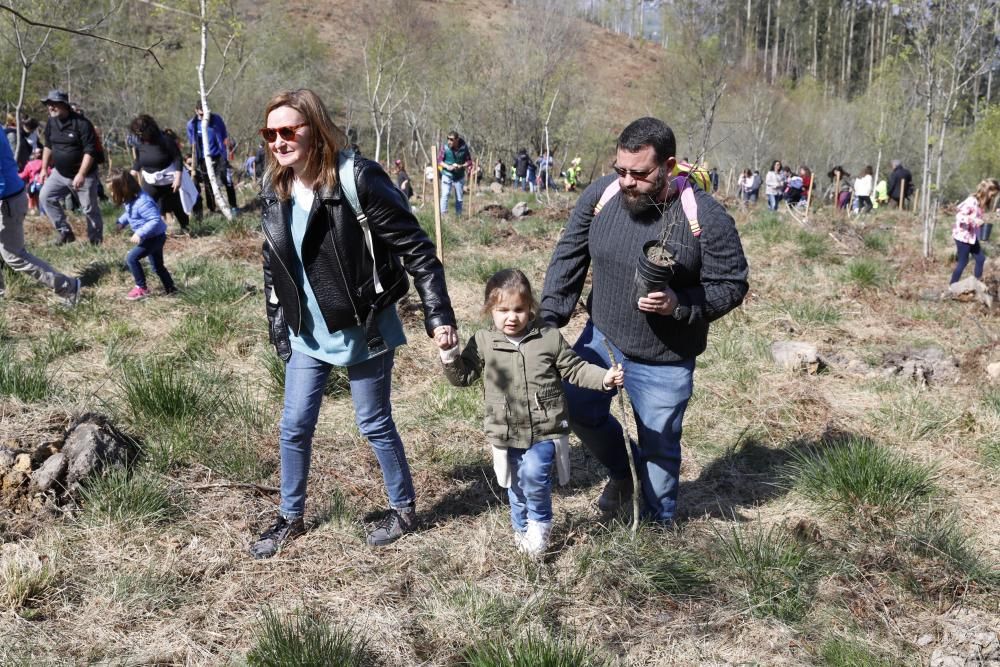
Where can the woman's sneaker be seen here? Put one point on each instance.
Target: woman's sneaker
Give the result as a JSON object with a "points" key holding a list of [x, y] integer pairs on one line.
{"points": [[392, 526], [137, 293], [274, 538]]}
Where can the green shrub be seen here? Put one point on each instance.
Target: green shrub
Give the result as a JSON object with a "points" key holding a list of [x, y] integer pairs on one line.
{"points": [[777, 574], [128, 497], [303, 639], [25, 381], [532, 651], [858, 477]]}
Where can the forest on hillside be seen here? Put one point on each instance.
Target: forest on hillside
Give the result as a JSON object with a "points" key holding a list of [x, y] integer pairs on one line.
{"points": [[743, 82]]}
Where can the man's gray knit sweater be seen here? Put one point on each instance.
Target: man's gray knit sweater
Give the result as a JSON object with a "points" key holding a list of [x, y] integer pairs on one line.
{"points": [[711, 278]]}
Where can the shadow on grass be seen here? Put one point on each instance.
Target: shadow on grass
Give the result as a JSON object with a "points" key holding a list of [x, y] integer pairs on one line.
{"points": [[93, 272], [748, 475], [474, 491]]}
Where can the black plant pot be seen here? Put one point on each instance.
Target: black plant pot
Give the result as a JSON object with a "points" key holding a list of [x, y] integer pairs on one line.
{"points": [[650, 275], [985, 231]]}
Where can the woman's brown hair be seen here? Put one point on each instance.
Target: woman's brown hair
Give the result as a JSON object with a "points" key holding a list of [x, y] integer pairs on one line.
{"points": [[987, 190], [124, 187], [508, 281], [327, 141]]}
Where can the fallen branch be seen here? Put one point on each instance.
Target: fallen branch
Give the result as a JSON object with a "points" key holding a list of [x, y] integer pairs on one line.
{"points": [[260, 488]]}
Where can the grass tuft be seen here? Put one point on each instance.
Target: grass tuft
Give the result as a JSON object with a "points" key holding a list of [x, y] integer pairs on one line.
{"points": [[776, 572], [531, 651], [157, 389], [56, 344], [127, 498], [25, 381], [26, 577], [808, 312], [939, 536], [640, 567], [858, 477], [864, 272], [840, 652], [813, 246], [304, 639]]}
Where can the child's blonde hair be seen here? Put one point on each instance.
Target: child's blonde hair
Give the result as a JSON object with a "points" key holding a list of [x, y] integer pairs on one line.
{"points": [[124, 187], [508, 281]]}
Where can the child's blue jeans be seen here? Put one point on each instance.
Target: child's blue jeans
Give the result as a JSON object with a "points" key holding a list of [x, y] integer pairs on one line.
{"points": [[152, 248], [530, 489]]}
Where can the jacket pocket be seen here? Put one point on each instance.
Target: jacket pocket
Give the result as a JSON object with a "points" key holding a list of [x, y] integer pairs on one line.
{"points": [[496, 420], [548, 407]]}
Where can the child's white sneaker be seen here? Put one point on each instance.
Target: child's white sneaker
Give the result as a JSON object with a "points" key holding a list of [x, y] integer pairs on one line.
{"points": [[536, 538], [519, 543]]}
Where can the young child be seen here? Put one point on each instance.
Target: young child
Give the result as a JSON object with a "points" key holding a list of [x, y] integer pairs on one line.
{"points": [[31, 175], [149, 233], [523, 365]]}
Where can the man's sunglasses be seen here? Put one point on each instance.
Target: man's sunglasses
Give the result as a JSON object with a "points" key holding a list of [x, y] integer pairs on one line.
{"points": [[287, 133], [637, 175]]}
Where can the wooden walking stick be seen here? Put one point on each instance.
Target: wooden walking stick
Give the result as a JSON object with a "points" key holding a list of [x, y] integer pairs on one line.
{"points": [[628, 445], [437, 207], [809, 197]]}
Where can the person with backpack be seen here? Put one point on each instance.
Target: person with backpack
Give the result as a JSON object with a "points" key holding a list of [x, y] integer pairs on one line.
{"points": [[333, 272], [455, 158], [73, 150], [658, 335], [900, 185], [521, 162], [218, 151]]}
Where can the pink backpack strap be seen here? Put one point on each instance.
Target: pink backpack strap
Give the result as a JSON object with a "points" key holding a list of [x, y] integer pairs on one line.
{"points": [[609, 192], [688, 202]]}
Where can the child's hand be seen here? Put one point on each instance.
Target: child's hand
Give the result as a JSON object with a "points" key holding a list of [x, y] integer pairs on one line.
{"points": [[445, 337], [615, 377], [135, 239]]}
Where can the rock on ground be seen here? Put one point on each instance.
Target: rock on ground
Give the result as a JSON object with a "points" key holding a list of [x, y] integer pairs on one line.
{"points": [[969, 289], [967, 638], [795, 355], [993, 371], [50, 472], [89, 447], [929, 364], [520, 209]]}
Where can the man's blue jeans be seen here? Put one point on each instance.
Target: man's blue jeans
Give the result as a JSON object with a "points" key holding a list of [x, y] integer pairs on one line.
{"points": [[305, 379], [530, 491], [446, 184], [659, 395]]}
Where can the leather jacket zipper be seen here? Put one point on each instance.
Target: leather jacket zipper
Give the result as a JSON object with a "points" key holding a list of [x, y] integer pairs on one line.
{"points": [[277, 255]]}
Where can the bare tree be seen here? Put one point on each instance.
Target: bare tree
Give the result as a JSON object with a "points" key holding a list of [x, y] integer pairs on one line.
{"points": [[20, 41], [203, 91], [384, 61]]}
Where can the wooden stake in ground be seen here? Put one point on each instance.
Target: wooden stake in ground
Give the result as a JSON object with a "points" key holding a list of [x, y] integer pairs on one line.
{"points": [[901, 203], [916, 198], [437, 209], [636, 489], [809, 196], [836, 192], [729, 181]]}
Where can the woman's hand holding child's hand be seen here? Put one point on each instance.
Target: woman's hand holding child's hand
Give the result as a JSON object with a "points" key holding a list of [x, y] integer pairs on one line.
{"points": [[445, 337], [615, 377]]}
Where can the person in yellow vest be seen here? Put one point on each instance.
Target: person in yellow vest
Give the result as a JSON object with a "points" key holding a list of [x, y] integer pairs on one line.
{"points": [[573, 174]]}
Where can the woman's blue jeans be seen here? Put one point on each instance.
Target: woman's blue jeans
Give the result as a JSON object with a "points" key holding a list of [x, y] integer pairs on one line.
{"points": [[530, 491], [152, 248], [659, 395], [772, 202], [305, 379], [963, 250]]}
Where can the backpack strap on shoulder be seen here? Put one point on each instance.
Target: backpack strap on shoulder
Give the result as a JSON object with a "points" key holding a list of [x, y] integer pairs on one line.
{"points": [[609, 192], [345, 173]]}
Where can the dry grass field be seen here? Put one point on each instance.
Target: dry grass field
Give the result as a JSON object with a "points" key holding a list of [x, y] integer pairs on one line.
{"points": [[844, 517]]}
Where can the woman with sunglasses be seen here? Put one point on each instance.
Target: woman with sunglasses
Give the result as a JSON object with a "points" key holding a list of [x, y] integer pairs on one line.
{"points": [[329, 303]]}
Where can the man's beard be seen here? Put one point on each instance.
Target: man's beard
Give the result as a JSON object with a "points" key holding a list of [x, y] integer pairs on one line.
{"points": [[640, 204]]}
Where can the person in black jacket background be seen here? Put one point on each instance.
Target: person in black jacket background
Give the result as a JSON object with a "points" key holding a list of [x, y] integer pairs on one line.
{"points": [[331, 300], [157, 166]]}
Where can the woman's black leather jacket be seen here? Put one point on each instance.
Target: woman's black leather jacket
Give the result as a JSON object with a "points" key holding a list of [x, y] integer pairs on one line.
{"points": [[339, 266]]}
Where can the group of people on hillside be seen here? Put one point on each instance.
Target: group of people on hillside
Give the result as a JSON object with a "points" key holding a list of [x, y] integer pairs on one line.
{"points": [[45, 169], [862, 194]]}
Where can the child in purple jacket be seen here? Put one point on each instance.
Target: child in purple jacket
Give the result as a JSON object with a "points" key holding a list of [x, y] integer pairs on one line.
{"points": [[149, 233]]}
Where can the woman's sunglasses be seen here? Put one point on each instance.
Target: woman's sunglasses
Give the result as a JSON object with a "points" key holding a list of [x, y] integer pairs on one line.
{"points": [[287, 133]]}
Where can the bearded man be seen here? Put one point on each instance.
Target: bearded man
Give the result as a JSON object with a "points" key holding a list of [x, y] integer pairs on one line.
{"points": [[655, 335]]}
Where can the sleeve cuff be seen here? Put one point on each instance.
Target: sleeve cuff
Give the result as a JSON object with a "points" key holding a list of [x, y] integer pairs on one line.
{"points": [[449, 355]]}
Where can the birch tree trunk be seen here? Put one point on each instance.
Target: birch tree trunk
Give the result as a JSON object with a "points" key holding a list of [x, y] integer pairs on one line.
{"points": [[221, 202]]}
